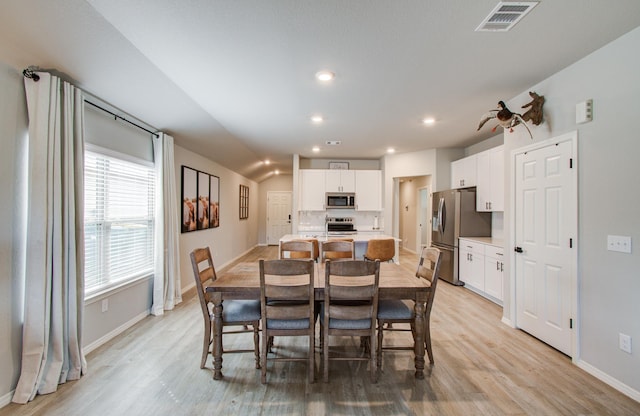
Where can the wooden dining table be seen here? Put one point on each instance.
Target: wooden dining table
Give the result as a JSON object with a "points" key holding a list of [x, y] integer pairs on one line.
{"points": [[242, 281]]}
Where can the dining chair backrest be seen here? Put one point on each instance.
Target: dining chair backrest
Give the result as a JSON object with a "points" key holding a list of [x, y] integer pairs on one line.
{"points": [[298, 249], [337, 250], [383, 249], [351, 306], [287, 305], [236, 312], [428, 269]]}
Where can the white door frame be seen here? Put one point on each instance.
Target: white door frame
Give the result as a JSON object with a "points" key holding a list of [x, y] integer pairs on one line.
{"points": [[573, 227], [419, 218]]}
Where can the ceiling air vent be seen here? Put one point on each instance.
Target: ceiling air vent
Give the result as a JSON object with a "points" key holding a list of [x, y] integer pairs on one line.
{"points": [[333, 142], [505, 15]]}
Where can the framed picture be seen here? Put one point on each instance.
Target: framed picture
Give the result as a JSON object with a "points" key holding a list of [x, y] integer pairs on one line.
{"points": [[214, 201], [244, 202], [339, 165], [200, 200], [189, 199]]}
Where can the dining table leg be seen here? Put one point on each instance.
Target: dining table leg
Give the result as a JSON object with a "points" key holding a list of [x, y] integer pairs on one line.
{"points": [[216, 350], [419, 339]]}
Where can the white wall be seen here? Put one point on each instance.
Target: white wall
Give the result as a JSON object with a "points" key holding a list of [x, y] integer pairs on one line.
{"points": [[608, 197], [233, 237]]}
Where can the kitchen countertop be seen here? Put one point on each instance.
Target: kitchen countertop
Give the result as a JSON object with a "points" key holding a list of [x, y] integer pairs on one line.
{"points": [[358, 237], [492, 241]]}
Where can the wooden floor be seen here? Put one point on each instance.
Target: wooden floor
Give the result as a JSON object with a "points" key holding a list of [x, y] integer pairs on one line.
{"points": [[482, 368]]}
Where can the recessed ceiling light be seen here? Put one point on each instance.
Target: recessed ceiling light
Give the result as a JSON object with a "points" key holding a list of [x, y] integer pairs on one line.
{"points": [[277, 172], [317, 119], [391, 150], [325, 75], [316, 149], [428, 120], [267, 162]]}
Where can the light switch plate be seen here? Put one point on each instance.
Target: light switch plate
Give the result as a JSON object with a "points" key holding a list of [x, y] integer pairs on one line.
{"points": [[621, 243]]}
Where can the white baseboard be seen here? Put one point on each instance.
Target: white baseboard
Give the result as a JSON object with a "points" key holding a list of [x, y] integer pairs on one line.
{"points": [[6, 399], [109, 336], [507, 322], [606, 378]]}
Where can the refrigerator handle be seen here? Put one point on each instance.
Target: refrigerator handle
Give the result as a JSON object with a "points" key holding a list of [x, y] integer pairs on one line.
{"points": [[442, 215]]}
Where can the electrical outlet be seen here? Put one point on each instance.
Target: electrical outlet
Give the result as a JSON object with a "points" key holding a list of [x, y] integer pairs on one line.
{"points": [[105, 305], [619, 243], [625, 342]]}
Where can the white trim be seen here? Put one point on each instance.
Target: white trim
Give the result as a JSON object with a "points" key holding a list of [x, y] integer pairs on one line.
{"points": [[119, 330], [507, 322], [571, 136], [94, 148], [6, 399], [606, 378], [118, 287]]}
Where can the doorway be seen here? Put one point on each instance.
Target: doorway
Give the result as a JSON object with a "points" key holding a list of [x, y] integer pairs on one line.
{"points": [[278, 215], [414, 211], [545, 231]]}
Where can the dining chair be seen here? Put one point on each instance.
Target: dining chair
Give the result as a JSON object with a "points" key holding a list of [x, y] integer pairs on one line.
{"points": [[345, 282], [300, 249], [337, 250], [391, 311], [383, 249], [288, 306], [243, 313]]}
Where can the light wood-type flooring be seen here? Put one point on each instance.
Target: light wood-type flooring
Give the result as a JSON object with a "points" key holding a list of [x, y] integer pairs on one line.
{"points": [[482, 367]]}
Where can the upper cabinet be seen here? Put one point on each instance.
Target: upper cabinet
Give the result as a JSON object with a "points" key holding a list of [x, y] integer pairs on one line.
{"points": [[463, 172], [315, 183], [340, 180], [312, 184], [368, 190], [490, 180]]}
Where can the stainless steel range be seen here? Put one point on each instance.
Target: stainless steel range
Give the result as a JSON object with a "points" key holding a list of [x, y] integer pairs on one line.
{"points": [[340, 226]]}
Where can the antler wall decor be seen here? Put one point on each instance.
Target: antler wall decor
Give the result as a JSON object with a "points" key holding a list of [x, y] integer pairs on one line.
{"points": [[508, 119]]}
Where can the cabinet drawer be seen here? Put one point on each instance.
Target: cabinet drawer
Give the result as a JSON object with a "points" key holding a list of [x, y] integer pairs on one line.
{"points": [[472, 246], [493, 251]]}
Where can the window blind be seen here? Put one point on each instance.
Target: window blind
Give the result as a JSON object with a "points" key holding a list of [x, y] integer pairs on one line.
{"points": [[119, 221]]}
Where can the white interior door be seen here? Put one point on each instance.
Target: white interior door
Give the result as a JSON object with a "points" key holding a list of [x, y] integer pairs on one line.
{"points": [[545, 230], [424, 219], [278, 216]]}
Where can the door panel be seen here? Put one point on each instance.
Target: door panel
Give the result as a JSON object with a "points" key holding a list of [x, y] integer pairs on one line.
{"points": [[279, 216], [544, 209]]}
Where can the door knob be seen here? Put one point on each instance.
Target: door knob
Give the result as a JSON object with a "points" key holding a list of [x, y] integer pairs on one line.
{"points": [[519, 250]]}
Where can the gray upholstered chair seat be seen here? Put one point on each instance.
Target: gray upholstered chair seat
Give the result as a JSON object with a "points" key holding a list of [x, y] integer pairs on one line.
{"points": [[240, 310], [287, 323], [394, 309]]}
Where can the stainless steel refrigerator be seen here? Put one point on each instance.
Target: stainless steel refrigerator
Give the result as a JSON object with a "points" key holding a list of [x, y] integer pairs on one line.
{"points": [[454, 216]]}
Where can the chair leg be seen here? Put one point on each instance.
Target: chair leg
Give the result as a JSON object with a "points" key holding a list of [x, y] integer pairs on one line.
{"points": [[206, 343], [256, 342], [372, 352], [264, 351], [325, 353], [312, 353], [379, 356], [427, 340]]}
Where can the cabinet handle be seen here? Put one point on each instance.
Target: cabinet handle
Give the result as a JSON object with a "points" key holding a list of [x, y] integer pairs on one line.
{"points": [[471, 256], [501, 266], [490, 205], [498, 265]]}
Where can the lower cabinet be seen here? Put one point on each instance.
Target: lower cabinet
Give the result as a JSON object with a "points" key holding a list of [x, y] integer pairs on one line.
{"points": [[481, 268]]}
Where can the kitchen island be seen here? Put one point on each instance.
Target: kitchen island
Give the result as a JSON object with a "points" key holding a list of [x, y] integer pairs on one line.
{"points": [[360, 239]]}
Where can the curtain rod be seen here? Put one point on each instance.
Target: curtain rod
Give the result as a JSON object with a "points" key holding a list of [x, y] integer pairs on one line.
{"points": [[121, 118], [30, 73]]}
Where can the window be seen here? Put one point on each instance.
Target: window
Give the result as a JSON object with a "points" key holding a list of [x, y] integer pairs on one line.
{"points": [[118, 221]]}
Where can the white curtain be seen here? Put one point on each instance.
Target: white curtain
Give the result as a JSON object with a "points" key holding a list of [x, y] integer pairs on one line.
{"points": [[166, 283], [54, 269]]}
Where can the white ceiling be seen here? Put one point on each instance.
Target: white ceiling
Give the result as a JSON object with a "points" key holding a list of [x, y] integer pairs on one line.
{"points": [[234, 79]]}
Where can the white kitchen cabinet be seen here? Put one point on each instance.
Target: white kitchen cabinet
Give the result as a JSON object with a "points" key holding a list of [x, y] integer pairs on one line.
{"points": [[481, 268], [494, 271], [340, 180], [490, 180], [312, 185], [471, 263], [368, 190], [463, 172]]}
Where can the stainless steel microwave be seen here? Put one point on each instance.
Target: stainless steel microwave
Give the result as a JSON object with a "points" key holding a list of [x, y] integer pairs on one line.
{"points": [[341, 200]]}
